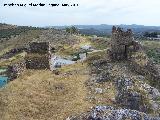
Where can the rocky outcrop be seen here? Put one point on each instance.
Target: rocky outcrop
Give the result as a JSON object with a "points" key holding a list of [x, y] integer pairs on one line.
{"points": [[111, 113], [100, 70], [127, 98], [131, 90], [129, 71]]}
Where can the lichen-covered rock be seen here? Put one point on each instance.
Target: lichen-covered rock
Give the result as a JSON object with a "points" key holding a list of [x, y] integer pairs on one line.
{"points": [[155, 93]]}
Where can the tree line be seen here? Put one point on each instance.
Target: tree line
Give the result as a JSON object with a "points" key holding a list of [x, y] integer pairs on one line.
{"points": [[72, 30], [151, 34]]}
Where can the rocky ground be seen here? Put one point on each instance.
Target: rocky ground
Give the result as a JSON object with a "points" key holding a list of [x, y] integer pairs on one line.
{"points": [[111, 113], [133, 98], [94, 89]]}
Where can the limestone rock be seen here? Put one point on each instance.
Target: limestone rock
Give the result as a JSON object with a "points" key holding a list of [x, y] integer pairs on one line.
{"points": [[111, 113]]}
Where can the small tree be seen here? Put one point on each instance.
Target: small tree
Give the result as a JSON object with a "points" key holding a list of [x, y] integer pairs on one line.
{"points": [[72, 30], [68, 29]]}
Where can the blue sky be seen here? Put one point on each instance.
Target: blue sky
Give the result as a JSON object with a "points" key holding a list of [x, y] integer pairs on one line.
{"points": [[143, 12]]}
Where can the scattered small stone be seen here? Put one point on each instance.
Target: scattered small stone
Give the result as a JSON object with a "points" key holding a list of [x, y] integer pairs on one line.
{"points": [[111, 113], [98, 90]]}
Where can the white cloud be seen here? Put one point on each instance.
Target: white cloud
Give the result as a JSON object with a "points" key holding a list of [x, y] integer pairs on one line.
{"points": [[88, 12]]}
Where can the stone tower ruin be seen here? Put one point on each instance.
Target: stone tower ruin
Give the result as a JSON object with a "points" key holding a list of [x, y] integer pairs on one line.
{"points": [[122, 43]]}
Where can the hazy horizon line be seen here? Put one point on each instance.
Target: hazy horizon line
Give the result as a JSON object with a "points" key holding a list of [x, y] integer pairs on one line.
{"points": [[83, 25]]}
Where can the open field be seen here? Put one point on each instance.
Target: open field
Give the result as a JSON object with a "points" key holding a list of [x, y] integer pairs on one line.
{"points": [[41, 94]]}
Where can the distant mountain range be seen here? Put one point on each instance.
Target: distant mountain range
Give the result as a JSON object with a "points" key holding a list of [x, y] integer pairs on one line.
{"points": [[104, 29], [99, 30]]}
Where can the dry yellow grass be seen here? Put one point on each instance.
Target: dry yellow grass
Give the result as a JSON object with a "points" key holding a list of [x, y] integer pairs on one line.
{"points": [[19, 41], [140, 58], [15, 59], [71, 49], [107, 97], [151, 44], [41, 95], [5, 50]]}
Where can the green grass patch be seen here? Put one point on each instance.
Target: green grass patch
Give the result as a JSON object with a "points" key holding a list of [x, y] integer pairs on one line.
{"points": [[154, 54]]}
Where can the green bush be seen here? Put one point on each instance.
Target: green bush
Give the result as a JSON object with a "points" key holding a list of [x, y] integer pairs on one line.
{"points": [[7, 33], [154, 54]]}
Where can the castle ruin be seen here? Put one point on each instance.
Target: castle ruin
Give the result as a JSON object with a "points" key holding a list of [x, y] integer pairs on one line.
{"points": [[122, 43], [38, 56]]}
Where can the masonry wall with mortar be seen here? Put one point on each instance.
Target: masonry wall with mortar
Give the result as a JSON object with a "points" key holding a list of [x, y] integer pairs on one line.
{"points": [[122, 43], [14, 70], [123, 47], [39, 47], [38, 56], [34, 61]]}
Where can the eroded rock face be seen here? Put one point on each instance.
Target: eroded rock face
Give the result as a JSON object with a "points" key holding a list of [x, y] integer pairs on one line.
{"points": [[111, 113]]}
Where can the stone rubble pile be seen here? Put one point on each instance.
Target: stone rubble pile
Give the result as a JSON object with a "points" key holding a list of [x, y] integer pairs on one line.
{"points": [[111, 113]]}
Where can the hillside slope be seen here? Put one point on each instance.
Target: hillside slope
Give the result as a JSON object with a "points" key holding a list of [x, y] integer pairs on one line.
{"points": [[96, 88]]}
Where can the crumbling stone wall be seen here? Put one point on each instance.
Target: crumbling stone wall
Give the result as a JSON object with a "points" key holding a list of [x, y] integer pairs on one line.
{"points": [[38, 56], [35, 61], [14, 70], [39, 47], [122, 44]]}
